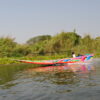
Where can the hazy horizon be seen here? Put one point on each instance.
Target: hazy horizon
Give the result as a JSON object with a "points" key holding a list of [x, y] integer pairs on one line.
{"points": [[24, 19]]}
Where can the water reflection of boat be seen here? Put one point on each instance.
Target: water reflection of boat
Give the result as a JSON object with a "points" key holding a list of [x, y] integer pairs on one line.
{"points": [[62, 75], [72, 67]]}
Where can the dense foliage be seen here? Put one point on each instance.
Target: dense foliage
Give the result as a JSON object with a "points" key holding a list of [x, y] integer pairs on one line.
{"points": [[61, 44]]}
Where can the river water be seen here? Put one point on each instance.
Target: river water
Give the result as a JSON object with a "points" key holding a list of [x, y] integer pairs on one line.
{"points": [[68, 82]]}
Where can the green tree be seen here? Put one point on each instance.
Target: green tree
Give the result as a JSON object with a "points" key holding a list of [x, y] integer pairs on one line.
{"points": [[38, 39], [21, 50], [63, 41], [7, 45]]}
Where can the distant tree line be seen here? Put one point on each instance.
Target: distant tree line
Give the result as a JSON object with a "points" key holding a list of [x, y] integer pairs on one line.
{"points": [[61, 43]]}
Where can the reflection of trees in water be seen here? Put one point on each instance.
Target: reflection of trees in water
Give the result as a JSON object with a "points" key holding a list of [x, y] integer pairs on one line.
{"points": [[8, 73], [60, 78]]}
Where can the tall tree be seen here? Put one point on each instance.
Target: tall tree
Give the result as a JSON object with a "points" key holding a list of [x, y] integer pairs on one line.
{"points": [[38, 39], [7, 44]]}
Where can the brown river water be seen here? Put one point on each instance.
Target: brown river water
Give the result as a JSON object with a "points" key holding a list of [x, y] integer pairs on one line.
{"points": [[67, 82]]}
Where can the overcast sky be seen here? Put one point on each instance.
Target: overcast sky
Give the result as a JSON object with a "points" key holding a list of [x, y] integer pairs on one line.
{"points": [[24, 19]]}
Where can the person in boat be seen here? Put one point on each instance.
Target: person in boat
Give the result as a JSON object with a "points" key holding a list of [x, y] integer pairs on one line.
{"points": [[73, 55]]}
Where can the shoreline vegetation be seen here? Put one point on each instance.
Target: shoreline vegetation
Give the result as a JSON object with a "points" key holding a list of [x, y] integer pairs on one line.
{"points": [[46, 47]]}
